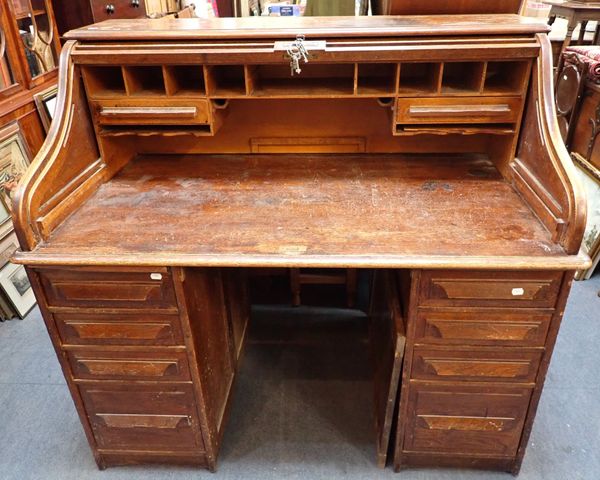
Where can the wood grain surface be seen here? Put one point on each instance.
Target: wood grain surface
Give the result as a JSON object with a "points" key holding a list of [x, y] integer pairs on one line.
{"points": [[289, 27], [232, 209]]}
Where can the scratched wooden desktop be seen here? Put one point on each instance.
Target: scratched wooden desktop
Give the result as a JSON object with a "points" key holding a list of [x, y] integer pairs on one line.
{"points": [[185, 153]]}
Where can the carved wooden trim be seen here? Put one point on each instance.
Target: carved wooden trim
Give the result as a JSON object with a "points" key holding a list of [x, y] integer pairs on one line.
{"points": [[38, 210], [568, 226]]}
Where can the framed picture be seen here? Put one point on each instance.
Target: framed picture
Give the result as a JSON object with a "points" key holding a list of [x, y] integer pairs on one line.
{"points": [[590, 178], [14, 160], [15, 283], [46, 105], [6, 225]]}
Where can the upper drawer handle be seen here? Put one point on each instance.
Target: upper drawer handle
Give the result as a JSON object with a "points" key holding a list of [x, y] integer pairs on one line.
{"points": [[110, 9], [186, 112], [460, 110]]}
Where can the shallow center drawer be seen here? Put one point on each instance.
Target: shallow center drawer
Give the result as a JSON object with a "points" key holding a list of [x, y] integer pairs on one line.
{"points": [[489, 288], [142, 417], [102, 288], [167, 111], [458, 110]]}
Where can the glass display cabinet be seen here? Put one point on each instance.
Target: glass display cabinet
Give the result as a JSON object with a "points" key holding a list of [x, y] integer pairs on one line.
{"points": [[37, 38]]}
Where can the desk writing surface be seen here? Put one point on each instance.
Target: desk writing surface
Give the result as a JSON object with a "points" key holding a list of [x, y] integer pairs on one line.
{"points": [[302, 209]]}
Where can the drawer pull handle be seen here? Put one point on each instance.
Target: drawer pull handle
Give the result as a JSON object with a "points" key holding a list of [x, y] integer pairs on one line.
{"points": [[460, 110], [156, 276], [518, 292], [110, 9], [186, 112], [116, 420]]}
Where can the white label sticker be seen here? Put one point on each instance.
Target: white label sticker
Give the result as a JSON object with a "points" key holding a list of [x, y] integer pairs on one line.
{"points": [[156, 276], [517, 292]]}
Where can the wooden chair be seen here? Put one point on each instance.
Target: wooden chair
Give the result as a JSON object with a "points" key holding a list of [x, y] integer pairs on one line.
{"points": [[312, 276]]}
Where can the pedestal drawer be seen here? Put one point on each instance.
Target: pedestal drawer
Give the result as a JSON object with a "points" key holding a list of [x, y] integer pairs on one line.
{"points": [[484, 326], [465, 420], [489, 288], [115, 365], [475, 365], [118, 329], [141, 417], [108, 289]]}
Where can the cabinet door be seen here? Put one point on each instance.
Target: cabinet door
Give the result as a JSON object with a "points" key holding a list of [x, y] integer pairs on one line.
{"points": [[387, 341]]}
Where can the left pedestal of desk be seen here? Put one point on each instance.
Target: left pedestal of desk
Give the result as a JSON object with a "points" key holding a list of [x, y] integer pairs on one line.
{"points": [[148, 356]]}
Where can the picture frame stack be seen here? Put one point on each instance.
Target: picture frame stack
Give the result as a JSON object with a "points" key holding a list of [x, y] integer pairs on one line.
{"points": [[16, 294], [589, 177]]}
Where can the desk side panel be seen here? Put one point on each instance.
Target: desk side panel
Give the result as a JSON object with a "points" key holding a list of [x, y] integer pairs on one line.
{"points": [[542, 171], [67, 169]]}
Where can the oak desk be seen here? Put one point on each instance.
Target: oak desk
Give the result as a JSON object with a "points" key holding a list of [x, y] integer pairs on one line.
{"points": [[185, 152]]}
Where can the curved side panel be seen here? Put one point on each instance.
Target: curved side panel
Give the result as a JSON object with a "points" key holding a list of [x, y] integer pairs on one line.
{"points": [[543, 171], [68, 167]]}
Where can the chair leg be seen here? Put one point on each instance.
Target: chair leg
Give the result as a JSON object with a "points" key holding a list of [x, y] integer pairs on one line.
{"points": [[351, 287], [295, 286]]}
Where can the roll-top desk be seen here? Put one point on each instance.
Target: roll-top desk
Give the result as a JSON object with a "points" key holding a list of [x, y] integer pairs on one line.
{"points": [[186, 152]]}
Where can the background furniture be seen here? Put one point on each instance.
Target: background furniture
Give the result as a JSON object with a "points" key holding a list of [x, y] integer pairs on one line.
{"points": [[346, 277], [29, 49], [570, 83], [576, 13], [77, 13], [420, 7], [578, 107]]}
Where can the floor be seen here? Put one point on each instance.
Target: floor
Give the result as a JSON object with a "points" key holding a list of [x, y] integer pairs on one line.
{"points": [[301, 407]]}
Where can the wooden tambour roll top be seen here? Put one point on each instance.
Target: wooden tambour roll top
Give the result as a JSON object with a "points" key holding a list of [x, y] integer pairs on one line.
{"points": [[184, 152]]}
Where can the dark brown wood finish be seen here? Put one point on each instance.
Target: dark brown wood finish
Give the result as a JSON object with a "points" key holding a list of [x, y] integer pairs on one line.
{"points": [[387, 338], [79, 13], [228, 189], [321, 27], [183, 152]]}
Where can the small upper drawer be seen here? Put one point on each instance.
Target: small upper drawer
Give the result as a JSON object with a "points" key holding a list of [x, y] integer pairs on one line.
{"points": [[118, 329], [104, 289], [458, 326], [475, 365], [115, 365], [168, 111], [459, 110], [107, 9], [489, 288]]}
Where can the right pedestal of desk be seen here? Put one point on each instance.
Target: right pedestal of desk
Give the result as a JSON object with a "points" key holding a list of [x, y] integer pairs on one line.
{"points": [[477, 352]]}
